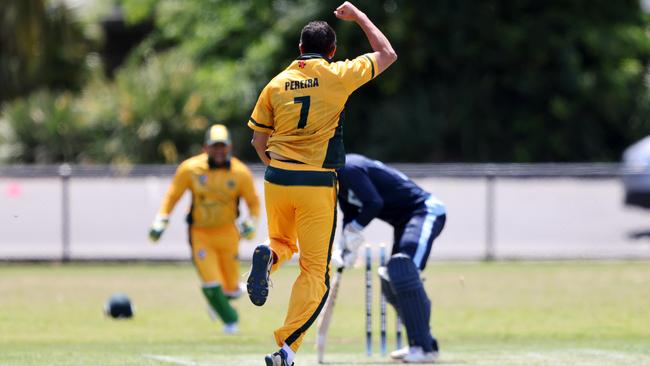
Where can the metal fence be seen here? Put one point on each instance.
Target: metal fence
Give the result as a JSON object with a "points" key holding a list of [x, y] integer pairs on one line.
{"points": [[495, 211]]}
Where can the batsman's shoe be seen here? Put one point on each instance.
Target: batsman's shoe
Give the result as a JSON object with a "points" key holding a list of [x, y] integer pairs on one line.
{"points": [[400, 353], [417, 355], [258, 280], [278, 358]]}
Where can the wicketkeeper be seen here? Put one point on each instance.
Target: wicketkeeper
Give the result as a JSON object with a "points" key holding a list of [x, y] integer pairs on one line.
{"points": [[368, 189], [217, 182]]}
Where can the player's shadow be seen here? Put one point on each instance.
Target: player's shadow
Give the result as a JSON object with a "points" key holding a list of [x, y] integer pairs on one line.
{"points": [[638, 234], [391, 362]]}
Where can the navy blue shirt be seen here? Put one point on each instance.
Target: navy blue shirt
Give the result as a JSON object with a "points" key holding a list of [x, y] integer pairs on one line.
{"points": [[369, 189]]}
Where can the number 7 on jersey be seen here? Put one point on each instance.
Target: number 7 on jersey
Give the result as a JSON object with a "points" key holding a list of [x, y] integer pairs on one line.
{"points": [[304, 109]]}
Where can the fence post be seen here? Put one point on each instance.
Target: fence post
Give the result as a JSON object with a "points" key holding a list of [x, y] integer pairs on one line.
{"points": [[64, 172], [489, 217]]}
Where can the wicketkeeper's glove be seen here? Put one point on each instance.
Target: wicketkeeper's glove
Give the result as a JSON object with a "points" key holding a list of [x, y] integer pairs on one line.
{"points": [[158, 227], [248, 228]]}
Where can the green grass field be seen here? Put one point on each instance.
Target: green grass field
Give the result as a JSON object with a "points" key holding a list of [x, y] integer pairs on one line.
{"points": [[484, 314]]}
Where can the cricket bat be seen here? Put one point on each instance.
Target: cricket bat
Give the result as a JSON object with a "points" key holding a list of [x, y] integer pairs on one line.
{"points": [[326, 315]]}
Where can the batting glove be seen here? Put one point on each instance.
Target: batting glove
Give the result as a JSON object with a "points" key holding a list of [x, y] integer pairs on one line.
{"points": [[352, 238], [158, 228], [341, 258], [346, 255]]}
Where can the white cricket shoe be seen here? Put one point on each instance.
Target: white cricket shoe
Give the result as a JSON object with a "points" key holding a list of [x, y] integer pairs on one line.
{"points": [[400, 353], [231, 328], [417, 355]]}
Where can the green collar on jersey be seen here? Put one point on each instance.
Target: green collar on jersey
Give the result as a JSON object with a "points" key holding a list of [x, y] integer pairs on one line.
{"points": [[311, 56]]}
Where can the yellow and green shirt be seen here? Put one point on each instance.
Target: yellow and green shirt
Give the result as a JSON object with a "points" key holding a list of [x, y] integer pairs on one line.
{"points": [[215, 192], [302, 108]]}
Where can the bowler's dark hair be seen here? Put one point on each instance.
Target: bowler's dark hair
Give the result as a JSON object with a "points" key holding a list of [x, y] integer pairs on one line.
{"points": [[318, 37]]}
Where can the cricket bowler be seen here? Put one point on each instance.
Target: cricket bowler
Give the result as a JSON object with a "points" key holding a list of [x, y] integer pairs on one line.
{"points": [[298, 134]]}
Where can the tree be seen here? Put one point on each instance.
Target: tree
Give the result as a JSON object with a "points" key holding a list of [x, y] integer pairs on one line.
{"points": [[475, 81], [41, 45]]}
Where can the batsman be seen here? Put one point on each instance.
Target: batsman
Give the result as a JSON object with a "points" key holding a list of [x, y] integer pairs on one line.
{"points": [[217, 182], [368, 189]]}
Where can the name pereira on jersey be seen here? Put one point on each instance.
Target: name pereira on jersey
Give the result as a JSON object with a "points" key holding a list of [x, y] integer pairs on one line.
{"points": [[300, 84]]}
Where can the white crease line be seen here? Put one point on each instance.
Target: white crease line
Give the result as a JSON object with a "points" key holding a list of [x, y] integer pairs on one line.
{"points": [[611, 354], [172, 360]]}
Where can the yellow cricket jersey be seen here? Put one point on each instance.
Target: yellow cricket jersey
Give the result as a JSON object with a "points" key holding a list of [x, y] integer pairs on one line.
{"points": [[302, 108], [215, 192]]}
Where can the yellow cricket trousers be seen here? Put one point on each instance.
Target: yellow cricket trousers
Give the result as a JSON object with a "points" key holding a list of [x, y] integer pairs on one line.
{"points": [[214, 252], [301, 213]]}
